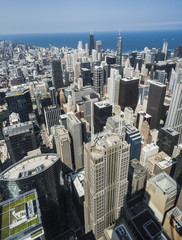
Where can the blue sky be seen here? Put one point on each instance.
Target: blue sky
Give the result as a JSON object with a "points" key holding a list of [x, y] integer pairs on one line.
{"points": [[53, 16]]}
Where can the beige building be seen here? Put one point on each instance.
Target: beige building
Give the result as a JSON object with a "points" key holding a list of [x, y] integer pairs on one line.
{"points": [[160, 194], [159, 162], [63, 144], [173, 223], [106, 164]]}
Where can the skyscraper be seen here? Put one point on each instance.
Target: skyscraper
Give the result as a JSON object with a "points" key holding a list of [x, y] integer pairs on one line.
{"points": [[98, 79], [19, 102], [156, 97], [52, 114], [53, 95], [167, 139], [91, 46], [20, 139], [102, 110], [106, 170], [174, 117], [119, 50], [57, 77], [113, 86], [74, 127], [43, 173], [63, 145], [128, 93]]}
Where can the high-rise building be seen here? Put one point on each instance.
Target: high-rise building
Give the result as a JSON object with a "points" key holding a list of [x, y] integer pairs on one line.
{"points": [[175, 110], [116, 124], [106, 170], [133, 138], [161, 193], [128, 93], [156, 97], [91, 44], [63, 145], [86, 75], [160, 76], [19, 102], [52, 114], [98, 79], [62, 98], [113, 86], [141, 117], [20, 139], [57, 77], [167, 139], [43, 173], [74, 127], [53, 95], [119, 50], [99, 46], [102, 110]]}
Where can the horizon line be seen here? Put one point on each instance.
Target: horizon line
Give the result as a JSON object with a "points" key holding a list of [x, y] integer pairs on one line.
{"points": [[104, 31]]}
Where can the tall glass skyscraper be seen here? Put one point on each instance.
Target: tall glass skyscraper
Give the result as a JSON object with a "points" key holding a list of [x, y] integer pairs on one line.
{"points": [[119, 50], [91, 46], [57, 76]]}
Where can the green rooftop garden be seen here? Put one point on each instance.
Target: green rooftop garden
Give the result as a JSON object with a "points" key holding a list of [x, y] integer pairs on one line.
{"points": [[16, 210]]}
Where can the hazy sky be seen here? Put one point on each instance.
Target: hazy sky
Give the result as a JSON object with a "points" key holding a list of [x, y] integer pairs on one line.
{"points": [[51, 16]]}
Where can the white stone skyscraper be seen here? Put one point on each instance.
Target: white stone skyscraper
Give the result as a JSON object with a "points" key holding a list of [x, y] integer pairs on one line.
{"points": [[98, 79], [174, 117], [113, 86], [119, 50], [106, 164]]}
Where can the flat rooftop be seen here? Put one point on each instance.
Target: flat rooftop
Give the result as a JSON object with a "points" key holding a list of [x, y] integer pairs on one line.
{"points": [[73, 118], [164, 183], [102, 104], [20, 214], [18, 128], [29, 166]]}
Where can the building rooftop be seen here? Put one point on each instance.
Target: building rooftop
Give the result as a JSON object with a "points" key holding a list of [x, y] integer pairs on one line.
{"points": [[102, 104], [176, 213], [164, 183], [17, 128], [73, 118], [137, 169], [20, 214], [104, 141], [158, 157], [170, 131], [78, 178], [147, 226], [29, 166]]}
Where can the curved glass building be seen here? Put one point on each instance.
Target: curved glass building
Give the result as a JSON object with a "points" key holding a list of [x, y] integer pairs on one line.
{"points": [[43, 173]]}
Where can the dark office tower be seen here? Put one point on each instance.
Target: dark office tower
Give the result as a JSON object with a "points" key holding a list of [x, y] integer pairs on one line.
{"points": [[128, 93], [155, 103], [52, 115], [52, 92], [98, 79], [86, 76], [19, 102], [20, 139], [138, 60], [119, 50], [91, 43], [102, 110], [133, 138], [41, 172], [85, 65], [167, 139], [177, 175], [57, 74]]}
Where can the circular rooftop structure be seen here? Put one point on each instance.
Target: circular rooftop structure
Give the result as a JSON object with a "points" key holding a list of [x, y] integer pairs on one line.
{"points": [[29, 166]]}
